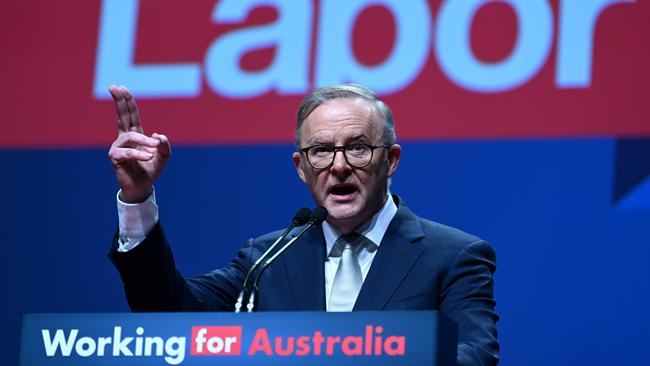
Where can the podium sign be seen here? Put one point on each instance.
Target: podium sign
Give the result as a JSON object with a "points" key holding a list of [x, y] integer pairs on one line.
{"points": [[271, 338]]}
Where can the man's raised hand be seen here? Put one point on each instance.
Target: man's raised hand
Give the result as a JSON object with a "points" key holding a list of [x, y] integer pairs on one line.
{"points": [[137, 158]]}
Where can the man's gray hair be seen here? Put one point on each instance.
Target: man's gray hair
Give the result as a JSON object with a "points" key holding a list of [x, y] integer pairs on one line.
{"points": [[323, 95]]}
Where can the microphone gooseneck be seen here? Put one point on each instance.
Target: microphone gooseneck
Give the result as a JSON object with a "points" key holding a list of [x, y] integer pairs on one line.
{"points": [[315, 219], [300, 218]]}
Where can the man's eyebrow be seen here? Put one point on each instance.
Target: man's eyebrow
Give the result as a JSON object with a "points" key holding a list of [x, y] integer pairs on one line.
{"points": [[360, 137], [316, 141], [357, 138]]}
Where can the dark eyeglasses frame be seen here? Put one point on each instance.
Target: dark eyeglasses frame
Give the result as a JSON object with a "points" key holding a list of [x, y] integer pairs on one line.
{"points": [[343, 149]]}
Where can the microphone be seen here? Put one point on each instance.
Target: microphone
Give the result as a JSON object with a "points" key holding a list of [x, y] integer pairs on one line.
{"points": [[316, 218], [300, 218]]}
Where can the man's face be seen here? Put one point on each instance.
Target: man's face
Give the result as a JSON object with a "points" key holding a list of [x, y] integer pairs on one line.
{"points": [[351, 195]]}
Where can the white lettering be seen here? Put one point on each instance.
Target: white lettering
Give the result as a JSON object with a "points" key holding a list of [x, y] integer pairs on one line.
{"points": [[59, 341], [215, 344], [289, 35], [85, 346], [575, 44], [200, 340], [529, 55], [102, 342], [121, 346], [229, 343], [149, 342], [174, 347], [114, 64], [336, 62]]}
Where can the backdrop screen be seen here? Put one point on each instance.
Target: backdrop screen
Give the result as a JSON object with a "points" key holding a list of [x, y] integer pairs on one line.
{"points": [[526, 122]]}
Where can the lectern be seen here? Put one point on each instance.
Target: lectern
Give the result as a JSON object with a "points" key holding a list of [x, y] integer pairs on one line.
{"points": [[271, 338]]}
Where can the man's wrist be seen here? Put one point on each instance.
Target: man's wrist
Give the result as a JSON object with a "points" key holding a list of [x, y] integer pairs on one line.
{"points": [[134, 197], [136, 220]]}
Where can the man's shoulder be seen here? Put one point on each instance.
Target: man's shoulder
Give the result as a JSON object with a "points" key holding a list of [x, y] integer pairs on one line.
{"points": [[440, 236], [447, 243], [440, 232]]}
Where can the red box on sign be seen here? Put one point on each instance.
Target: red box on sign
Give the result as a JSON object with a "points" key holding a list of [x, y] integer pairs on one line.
{"points": [[216, 341]]}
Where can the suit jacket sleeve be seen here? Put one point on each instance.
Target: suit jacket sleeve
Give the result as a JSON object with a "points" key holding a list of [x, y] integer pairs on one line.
{"points": [[153, 283], [467, 296]]}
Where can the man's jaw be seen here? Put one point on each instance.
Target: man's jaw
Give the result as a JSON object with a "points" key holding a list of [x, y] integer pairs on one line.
{"points": [[343, 204]]}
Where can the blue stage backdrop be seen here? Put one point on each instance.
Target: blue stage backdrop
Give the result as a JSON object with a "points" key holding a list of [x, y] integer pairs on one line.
{"points": [[524, 122]]}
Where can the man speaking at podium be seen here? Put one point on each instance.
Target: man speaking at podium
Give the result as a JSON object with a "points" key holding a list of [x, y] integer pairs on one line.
{"points": [[371, 253]]}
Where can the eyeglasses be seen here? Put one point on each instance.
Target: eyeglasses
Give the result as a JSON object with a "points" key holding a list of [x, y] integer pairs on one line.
{"points": [[357, 155]]}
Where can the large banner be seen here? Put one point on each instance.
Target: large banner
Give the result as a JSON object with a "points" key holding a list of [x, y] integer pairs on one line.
{"points": [[525, 122], [233, 71]]}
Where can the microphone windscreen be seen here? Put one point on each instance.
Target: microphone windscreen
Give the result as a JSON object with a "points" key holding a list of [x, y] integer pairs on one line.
{"points": [[301, 217], [318, 215]]}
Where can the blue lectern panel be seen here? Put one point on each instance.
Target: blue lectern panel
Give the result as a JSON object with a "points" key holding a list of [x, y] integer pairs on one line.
{"points": [[297, 338]]}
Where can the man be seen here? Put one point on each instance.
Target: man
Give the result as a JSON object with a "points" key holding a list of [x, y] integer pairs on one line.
{"points": [[372, 253]]}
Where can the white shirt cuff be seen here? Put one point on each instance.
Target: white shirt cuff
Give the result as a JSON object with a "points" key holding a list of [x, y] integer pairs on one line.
{"points": [[136, 220]]}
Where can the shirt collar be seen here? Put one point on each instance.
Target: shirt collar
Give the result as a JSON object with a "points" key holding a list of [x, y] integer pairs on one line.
{"points": [[374, 230]]}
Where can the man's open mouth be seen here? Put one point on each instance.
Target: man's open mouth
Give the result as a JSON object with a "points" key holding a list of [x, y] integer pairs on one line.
{"points": [[343, 190]]}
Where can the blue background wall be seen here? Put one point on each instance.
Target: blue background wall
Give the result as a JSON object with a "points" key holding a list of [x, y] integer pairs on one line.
{"points": [[572, 283]]}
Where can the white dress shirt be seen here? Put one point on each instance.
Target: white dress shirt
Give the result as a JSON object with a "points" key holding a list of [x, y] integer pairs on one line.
{"points": [[373, 231], [137, 219]]}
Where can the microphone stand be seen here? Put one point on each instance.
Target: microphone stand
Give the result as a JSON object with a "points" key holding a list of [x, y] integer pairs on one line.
{"points": [[300, 218], [315, 219]]}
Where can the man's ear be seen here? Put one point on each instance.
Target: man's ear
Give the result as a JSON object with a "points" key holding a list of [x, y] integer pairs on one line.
{"points": [[296, 156], [394, 154]]}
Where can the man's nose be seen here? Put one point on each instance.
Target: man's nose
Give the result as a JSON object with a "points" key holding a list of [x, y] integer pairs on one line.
{"points": [[340, 165]]}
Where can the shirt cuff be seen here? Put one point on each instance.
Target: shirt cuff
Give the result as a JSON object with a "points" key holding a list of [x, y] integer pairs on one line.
{"points": [[136, 220]]}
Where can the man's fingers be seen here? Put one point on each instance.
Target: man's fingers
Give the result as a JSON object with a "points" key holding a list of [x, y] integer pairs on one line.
{"points": [[123, 118], [122, 154], [134, 114], [144, 147], [133, 139], [153, 150], [164, 148]]}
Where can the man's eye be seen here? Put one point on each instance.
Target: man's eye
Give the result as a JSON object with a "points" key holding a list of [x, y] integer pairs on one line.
{"points": [[321, 149], [357, 147]]}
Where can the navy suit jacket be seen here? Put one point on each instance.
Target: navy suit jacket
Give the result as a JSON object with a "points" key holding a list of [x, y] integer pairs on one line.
{"points": [[420, 265]]}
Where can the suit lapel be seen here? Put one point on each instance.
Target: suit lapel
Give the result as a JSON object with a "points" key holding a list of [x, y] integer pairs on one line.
{"points": [[304, 265], [395, 257]]}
